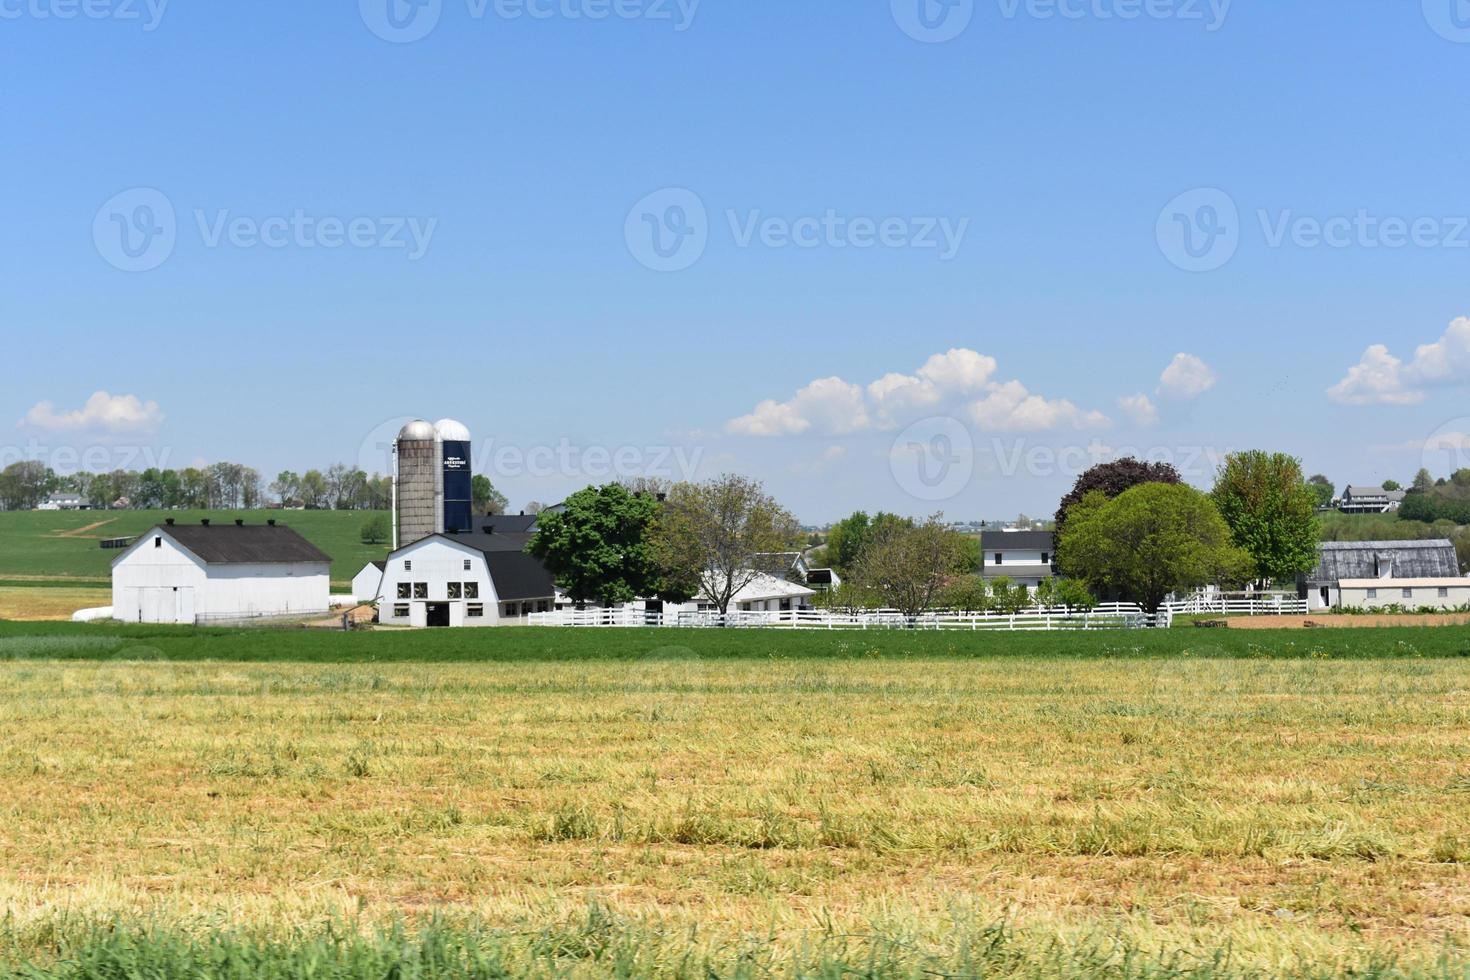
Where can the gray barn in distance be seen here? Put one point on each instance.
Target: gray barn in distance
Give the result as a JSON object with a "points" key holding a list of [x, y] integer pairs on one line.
{"points": [[1341, 561]]}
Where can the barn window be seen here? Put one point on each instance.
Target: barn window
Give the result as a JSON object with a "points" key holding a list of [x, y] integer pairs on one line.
{"points": [[408, 566], [400, 612], [421, 590], [466, 564], [472, 590], [475, 612], [454, 590], [404, 590], [1444, 593], [1408, 593], [158, 542], [1373, 593], [1000, 559]]}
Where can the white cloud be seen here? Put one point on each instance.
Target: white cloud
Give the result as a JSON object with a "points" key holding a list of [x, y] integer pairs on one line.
{"points": [[1011, 408], [1381, 378], [1186, 377], [103, 412], [1140, 409], [830, 404]]}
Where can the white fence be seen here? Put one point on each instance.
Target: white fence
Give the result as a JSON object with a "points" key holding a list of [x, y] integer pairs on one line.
{"points": [[1111, 616]]}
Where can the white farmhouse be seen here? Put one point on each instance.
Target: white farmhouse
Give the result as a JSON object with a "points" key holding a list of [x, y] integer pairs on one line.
{"points": [[1024, 557], [477, 579], [202, 573]]}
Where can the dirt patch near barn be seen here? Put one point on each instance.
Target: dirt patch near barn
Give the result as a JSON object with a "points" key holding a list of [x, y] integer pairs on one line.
{"points": [[1329, 621]]}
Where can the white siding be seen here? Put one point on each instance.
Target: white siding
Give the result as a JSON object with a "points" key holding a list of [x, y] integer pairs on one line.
{"points": [[367, 584], [437, 563], [158, 581]]}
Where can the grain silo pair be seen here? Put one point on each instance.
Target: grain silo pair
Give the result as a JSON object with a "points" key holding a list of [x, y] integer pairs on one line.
{"points": [[432, 489]]}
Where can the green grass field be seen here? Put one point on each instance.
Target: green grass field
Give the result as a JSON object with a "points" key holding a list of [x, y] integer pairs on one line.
{"points": [[36, 544], [177, 803]]}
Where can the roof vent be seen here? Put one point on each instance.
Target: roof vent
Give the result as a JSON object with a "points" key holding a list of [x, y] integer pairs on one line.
{"points": [[205, 522], [271, 522], [239, 523], [169, 522], [488, 528]]}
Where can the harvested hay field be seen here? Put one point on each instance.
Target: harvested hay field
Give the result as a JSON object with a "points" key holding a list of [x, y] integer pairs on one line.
{"points": [[677, 815], [45, 601], [1330, 621]]}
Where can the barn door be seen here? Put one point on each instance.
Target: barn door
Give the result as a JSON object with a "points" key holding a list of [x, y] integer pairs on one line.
{"points": [[184, 606]]}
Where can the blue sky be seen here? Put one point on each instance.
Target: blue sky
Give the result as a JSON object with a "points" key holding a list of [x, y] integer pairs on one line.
{"points": [[331, 227]]}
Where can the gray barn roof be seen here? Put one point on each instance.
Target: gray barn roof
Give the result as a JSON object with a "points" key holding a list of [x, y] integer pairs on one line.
{"points": [[250, 544], [1371, 559], [518, 577], [1018, 541]]}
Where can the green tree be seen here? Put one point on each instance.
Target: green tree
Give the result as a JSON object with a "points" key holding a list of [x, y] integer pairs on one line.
{"points": [[375, 529], [1423, 481], [708, 534], [966, 593], [1271, 512], [487, 500], [1392, 485], [908, 565], [1110, 479], [598, 546], [1324, 489], [1150, 541]]}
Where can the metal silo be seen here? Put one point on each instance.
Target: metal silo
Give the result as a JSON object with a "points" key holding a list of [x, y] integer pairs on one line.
{"points": [[417, 484], [459, 496]]}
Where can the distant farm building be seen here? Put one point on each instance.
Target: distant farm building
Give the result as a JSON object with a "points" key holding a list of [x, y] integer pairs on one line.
{"points": [[218, 573], [64, 501], [1371, 500], [482, 578], [1368, 574], [1024, 557]]}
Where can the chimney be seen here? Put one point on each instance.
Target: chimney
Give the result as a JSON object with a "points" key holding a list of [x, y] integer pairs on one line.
{"points": [[205, 522]]}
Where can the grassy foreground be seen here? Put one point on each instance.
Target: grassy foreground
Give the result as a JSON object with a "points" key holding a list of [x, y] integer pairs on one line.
{"points": [[887, 811]]}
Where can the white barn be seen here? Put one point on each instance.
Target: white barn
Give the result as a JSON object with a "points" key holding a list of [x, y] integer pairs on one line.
{"points": [[477, 579], [367, 585], [202, 573]]}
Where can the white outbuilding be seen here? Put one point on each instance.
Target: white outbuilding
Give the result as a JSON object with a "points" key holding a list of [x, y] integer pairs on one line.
{"points": [[367, 585], [204, 573], [482, 578]]}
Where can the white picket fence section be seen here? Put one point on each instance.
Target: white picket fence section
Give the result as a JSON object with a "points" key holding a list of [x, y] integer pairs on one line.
{"points": [[1221, 604], [1111, 616]]}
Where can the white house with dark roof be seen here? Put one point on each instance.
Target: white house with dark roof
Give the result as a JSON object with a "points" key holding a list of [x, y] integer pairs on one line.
{"points": [[483, 578], [207, 572], [1025, 557]]}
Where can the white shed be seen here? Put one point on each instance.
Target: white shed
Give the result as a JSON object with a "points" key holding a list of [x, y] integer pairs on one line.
{"points": [[367, 585], [202, 573]]}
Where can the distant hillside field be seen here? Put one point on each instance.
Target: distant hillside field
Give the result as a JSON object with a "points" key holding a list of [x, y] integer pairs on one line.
{"points": [[65, 544]]}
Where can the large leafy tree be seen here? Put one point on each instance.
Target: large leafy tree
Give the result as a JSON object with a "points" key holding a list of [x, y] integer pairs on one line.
{"points": [[1271, 512], [708, 535], [485, 498], [1152, 540], [598, 545], [1110, 479]]}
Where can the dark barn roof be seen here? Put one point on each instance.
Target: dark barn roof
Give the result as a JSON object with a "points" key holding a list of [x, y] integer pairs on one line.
{"points": [[1372, 559], [498, 541], [518, 577], [249, 544]]}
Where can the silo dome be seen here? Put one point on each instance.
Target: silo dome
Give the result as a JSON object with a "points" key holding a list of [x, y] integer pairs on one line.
{"points": [[419, 431], [452, 431]]}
